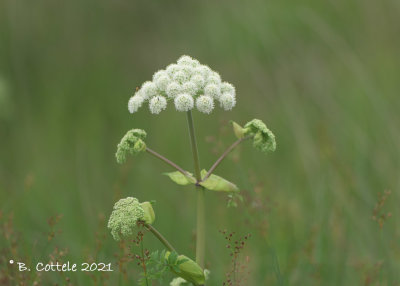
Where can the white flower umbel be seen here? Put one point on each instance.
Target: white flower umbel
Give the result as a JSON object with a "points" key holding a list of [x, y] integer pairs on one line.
{"points": [[186, 82], [157, 104], [184, 102]]}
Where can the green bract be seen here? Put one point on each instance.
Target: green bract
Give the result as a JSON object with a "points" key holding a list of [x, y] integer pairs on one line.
{"points": [[189, 270], [131, 143], [263, 138], [125, 216], [180, 178], [212, 183], [149, 215], [217, 183]]}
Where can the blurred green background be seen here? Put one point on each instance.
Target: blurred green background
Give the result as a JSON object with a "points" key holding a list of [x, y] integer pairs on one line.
{"points": [[323, 75]]}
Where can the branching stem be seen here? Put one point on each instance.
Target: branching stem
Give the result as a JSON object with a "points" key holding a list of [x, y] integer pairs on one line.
{"points": [[169, 162], [227, 151]]}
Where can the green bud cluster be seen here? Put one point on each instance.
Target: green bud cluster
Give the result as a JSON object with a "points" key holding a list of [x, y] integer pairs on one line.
{"points": [[131, 143], [263, 138], [125, 216]]}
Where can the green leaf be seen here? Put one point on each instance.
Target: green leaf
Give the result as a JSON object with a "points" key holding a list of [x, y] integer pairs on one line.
{"points": [[180, 178], [217, 183]]}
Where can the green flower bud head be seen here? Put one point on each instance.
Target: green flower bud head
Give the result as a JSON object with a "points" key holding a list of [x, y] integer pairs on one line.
{"points": [[131, 143], [124, 217], [187, 80], [189, 270], [264, 139], [149, 215]]}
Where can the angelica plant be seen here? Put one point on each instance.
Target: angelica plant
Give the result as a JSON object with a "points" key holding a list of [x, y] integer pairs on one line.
{"points": [[187, 85]]}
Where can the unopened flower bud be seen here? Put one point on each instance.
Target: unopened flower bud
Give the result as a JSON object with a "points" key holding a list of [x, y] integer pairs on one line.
{"points": [[264, 139], [238, 130], [132, 143]]}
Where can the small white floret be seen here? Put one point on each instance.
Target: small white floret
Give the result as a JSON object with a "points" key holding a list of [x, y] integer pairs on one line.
{"points": [[203, 70], [198, 80], [159, 74], [157, 104], [190, 88], [227, 87], [180, 76], [135, 102], [185, 61], [212, 90], [162, 82], [172, 68], [205, 104], [184, 102], [227, 101], [173, 89], [149, 89]]}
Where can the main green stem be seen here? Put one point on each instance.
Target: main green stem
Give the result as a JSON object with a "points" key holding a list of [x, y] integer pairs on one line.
{"points": [[200, 233]]}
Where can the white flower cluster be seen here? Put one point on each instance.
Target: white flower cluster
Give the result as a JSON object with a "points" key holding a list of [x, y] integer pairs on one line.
{"points": [[188, 84]]}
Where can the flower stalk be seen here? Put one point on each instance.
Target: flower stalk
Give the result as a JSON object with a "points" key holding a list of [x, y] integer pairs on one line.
{"points": [[227, 151], [169, 162], [160, 237], [200, 229]]}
